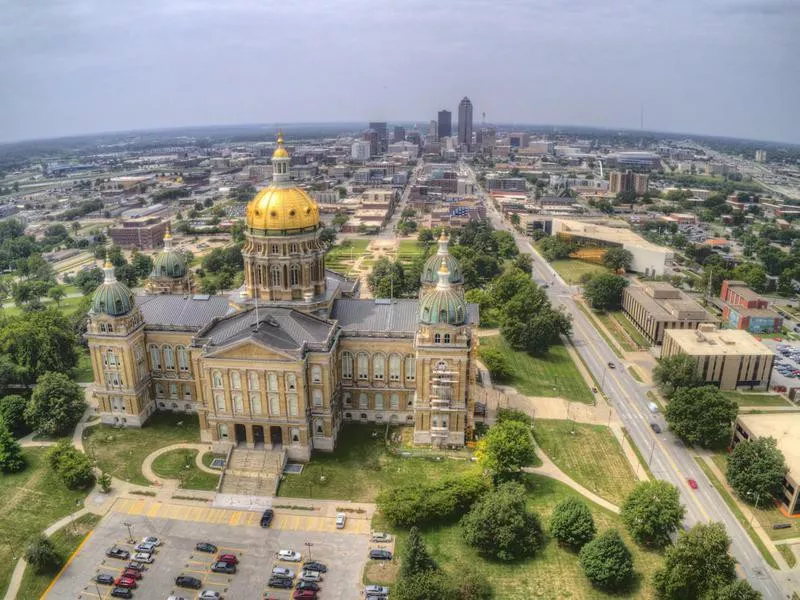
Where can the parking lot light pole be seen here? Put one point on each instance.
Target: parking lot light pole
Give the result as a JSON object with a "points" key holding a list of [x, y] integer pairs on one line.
{"points": [[130, 531], [97, 587], [308, 545]]}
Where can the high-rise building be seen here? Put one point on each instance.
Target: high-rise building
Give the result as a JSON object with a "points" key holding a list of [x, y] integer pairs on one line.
{"points": [[761, 156], [433, 132], [445, 124], [519, 139], [379, 127], [627, 181], [414, 137], [371, 136], [465, 122], [399, 133], [360, 150]]}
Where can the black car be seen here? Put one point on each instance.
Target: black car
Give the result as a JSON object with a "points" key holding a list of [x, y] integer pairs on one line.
{"points": [[206, 547], [115, 552], [188, 582], [308, 585], [313, 565], [380, 555], [655, 427], [223, 567], [280, 582], [266, 517], [121, 592], [105, 579]]}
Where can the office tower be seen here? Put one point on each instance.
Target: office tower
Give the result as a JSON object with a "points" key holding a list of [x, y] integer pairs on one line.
{"points": [[445, 124], [371, 136], [465, 122], [399, 133], [414, 137], [761, 156], [433, 135], [627, 181], [379, 127]]}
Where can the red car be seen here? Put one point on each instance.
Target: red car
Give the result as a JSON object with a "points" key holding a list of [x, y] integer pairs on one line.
{"points": [[125, 582], [304, 595], [132, 574], [693, 484], [228, 558]]}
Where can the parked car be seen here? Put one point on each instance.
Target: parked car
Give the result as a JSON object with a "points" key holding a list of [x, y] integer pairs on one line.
{"points": [[115, 552], [380, 555], [376, 590], [283, 572], [379, 536], [280, 582], [176, 598], [121, 592], [206, 547], [132, 573], [209, 595], [655, 427], [188, 582], [146, 547], [341, 519], [143, 557], [223, 567], [266, 517], [782, 526], [313, 565], [105, 579], [611, 365], [151, 540], [229, 558], [693, 484], [127, 582], [135, 565], [304, 595], [308, 585], [289, 555], [311, 576]]}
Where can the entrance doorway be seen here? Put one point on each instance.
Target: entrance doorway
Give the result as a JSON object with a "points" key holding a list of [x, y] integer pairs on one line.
{"points": [[258, 436], [240, 433], [276, 437]]}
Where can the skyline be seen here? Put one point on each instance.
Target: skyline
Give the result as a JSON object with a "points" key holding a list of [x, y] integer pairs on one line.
{"points": [[714, 68]]}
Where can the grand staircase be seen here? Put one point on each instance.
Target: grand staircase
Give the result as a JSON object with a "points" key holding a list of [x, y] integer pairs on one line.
{"points": [[253, 472]]}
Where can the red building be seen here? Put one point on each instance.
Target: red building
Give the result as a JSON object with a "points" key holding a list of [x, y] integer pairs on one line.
{"points": [[737, 293], [745, 309]]}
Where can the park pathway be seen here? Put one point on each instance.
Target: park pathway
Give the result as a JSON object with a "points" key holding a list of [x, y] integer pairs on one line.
{"points": [[147, 464]]}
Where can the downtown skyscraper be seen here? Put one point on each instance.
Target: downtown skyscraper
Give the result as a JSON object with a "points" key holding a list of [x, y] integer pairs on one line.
{"points": [[465, 122]]}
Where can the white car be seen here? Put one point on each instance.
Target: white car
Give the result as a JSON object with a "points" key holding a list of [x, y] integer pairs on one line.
{"points": [[379, 536], [283, 572], [209, 595], [341, 519], [311, 576], [146, 547], [289, 555], [143, 557], [151, 540]]}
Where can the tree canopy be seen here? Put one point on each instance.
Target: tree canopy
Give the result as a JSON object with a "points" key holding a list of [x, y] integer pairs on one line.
{"points": [[605, 291], [506, 448], [12, 413], [701, 415], [11, 459], [572, 524], [41, 554], [607, 562], [652, 512], [416, 559], [756, 469], [618, 258], [56, 405], [674, 372]]}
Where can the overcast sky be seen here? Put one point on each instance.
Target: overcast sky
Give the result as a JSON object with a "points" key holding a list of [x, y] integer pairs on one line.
{"points": [[725, 67]]}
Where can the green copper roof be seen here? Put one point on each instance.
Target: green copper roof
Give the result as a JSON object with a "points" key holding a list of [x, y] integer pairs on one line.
{"points": [[169, 263], [430, 271], [442, 307], [113, 299]]}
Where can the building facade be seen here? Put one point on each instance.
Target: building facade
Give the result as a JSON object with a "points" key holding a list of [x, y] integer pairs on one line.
{"points": [[285, 360], [143, 233], [745, 309], [626, 181], [465, 122], [445, 124], [657, 306]]}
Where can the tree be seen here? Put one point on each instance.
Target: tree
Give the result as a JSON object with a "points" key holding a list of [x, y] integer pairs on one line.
{"points": [[114, 254], [701, 415], [126, 274], [738, 590], [56, 293], [674, 372], [340, 218], [142, 265], [607, 562], [524, 263], [605, 291], [652, 512], [697, 565], [553, 248], [41, 554], [327, 236], [571, 523], [514, 219], [89, 280], [500, 525], [753, 275], [72, 465], [11, 459], [56, 405], [104, 481], [416, 559], [507, 447], [387, 279], [756, 469], [12, 413], [433, 585], [618, 258], [496, 362]]}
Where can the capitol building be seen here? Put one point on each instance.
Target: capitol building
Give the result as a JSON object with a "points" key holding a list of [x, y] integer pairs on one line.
{"points": [[285, 360]]}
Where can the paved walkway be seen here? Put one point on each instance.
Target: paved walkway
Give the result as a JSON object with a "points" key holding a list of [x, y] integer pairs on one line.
{"points": [[147, 464]]}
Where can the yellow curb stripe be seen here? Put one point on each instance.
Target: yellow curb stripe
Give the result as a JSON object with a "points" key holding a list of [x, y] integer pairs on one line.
{"points": [[67, 564]]}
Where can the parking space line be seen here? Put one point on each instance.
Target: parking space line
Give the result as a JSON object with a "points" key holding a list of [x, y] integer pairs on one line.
{"points": [[233, 549], [153, 512], [137, 509], [234, 520]]}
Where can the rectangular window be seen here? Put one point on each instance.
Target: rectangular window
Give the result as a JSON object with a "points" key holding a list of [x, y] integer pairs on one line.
{"points": [[395, 401], [291, 382], [272, 380], [378, 401], [317, 397], [293, 410], [316, 374], [363, 401], [411, 369], [173, 390], [219, 401], [274, 405], [238, 404], [255, 403]]}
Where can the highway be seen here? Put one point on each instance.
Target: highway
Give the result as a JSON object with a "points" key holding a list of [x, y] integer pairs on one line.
{"points": [[671, 460]]}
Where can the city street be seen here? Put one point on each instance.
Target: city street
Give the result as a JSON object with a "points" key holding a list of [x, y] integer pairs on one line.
{"points": [[671, 460]]}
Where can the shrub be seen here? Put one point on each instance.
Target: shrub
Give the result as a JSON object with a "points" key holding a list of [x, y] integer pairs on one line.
{"points": [[571, 523], [42, 556], [73, 466], [607, 562]]}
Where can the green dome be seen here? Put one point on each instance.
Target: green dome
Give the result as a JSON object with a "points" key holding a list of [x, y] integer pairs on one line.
{"points": [[430, 270], [112, 298], [443, 305], [169, 263]]}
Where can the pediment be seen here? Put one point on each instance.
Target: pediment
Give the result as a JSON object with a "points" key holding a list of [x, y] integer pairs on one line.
{"points": [[250, 349]]}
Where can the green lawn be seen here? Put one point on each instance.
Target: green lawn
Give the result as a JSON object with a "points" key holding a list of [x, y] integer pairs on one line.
{"points": [[67, 305], [786, 552], [180, 464], [746, 399], [554, 573], [83, 371], [341, 257], [571, 270], [619, 333], [635, 374], [551, 375], [630, 329], [408, 250], [209, 457], [120, 452], [31, 501], [66, 541], [361, 466], [590, 454]]}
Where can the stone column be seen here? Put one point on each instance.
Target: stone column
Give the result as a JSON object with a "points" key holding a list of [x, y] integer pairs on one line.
{"points": [[248, 433]]}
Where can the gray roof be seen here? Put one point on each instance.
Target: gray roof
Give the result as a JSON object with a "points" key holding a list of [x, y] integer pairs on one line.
{"points": [[181, 312], [281, 328], [333, 278], [376, 315]]}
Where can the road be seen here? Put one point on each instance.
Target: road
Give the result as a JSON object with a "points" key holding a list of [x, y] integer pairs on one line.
{"points": [[670, 459]]}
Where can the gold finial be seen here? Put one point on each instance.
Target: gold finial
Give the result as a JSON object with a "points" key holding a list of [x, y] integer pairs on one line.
{"points": [[443, 237], [280, 138], [443, 269], [107, 264], [168, 232]]}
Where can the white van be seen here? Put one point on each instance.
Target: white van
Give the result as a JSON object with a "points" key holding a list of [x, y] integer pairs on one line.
{"points": [[341, 518], [653, 407]]}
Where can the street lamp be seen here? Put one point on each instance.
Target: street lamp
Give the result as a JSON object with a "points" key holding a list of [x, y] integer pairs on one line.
{"points": [[309, 545], [753, 514], [130, 531]]}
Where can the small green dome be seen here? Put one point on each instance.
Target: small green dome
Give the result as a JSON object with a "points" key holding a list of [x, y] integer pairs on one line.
{"points": [[430, 270], [443, 305], [112, 298], [169, 263]]}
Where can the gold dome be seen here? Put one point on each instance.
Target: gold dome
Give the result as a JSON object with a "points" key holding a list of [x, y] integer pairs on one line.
{"points": [[280, 151], [282, 208]]}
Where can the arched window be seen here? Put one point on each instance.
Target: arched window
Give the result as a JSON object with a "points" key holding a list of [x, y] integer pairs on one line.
{"points": [[216, 380], [378, 401], [187, 392], [316, 397], [155, 358], [363, 365], [291, 382], [159, 390], [102, 327], [318, 427], [443, 316], [253, 382], [110, 328], [363, 401], [238, 405], [411, 368], [378, 367], [395, 401], [346, 398], [294, 274], [292, 401], [275, 275], [219, 401], [169, 358], [294, 249], [316, 374], [272, 380], [236, 380], [437, 338], [275, 249], [446, 338], [274, 405], [459, 315], [347, 365], [183, 358], [255, 403], [223, 431], [394, 368]]}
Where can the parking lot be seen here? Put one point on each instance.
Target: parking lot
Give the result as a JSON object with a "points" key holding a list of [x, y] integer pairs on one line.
{"points": [[343, 552], [787, 361]]}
